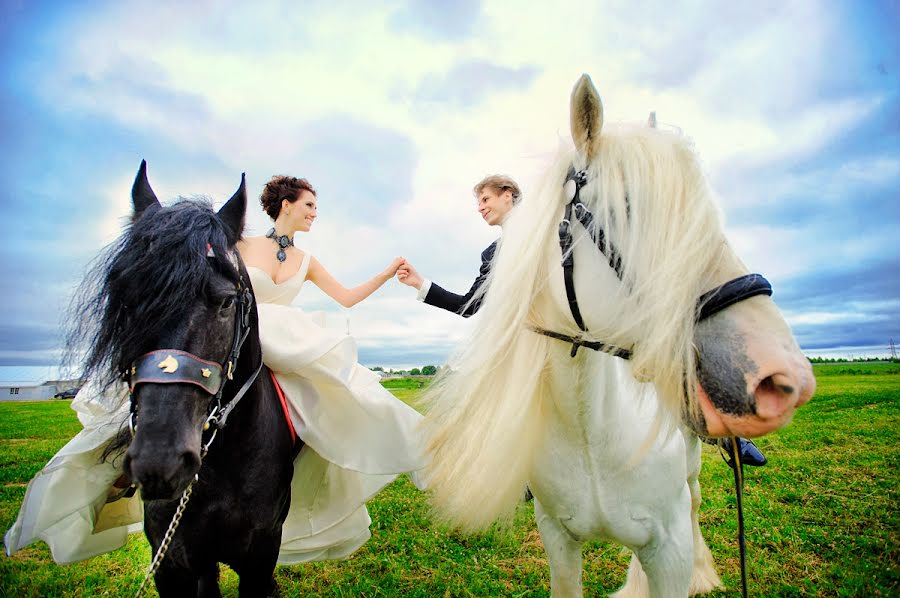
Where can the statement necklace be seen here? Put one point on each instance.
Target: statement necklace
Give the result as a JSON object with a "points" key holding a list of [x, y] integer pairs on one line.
{"points": [[283, 242]]}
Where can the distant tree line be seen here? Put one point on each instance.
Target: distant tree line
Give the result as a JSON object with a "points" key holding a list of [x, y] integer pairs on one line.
{"points": [[851, 360], [426, 370], [431, 370]]}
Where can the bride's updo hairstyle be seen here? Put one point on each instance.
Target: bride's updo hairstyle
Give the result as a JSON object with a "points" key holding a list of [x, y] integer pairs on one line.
{"points": [[279, 188]]}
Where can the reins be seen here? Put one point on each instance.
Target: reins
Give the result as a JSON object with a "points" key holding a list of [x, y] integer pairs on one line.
{"points": [[169, 366], [738, 468], [709, 304]]}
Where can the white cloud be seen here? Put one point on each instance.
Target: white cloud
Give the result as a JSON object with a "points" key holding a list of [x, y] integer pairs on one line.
{"points": [[827, 317], [262, 88], [826, 186], [776, 251]]}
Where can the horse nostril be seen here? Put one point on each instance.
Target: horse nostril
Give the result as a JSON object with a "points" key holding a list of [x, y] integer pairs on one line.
{"points": [[779, 383], [775, 395], [785, 389]]}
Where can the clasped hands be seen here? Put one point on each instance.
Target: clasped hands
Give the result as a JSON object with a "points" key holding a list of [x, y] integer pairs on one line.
{"points": [[405, 272]]}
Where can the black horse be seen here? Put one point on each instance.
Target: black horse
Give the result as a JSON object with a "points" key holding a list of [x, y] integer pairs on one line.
{"points": [[174, 307]]}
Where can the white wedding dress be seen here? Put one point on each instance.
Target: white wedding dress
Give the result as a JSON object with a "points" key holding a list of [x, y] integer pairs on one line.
{"points": [[358, 437]]}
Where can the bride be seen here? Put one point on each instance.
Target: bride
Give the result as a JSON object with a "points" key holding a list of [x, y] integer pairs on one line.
{"points": [[357, 436]]}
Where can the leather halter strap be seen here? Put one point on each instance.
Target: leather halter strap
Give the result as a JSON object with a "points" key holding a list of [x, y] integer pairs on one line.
{"points": [[577, 343], [575, 182], [220, 412], [733, 291], [576, 210], [710, 303], [171, 366], [568, 265]]}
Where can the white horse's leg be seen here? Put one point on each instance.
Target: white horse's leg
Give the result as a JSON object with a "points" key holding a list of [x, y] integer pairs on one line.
{"points": [[666, 560], [668, 565], [563, 554], [636, 585], [704, 577]]}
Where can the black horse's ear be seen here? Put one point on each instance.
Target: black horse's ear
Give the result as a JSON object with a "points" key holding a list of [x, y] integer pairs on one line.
{"points": [[232, 213], [142, 196]]}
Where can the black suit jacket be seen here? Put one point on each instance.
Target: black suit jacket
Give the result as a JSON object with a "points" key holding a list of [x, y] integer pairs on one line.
{"points": [[440, 297]]}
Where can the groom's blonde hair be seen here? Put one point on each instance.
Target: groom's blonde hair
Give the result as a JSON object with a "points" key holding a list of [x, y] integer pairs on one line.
{"points": [[499, 183]]}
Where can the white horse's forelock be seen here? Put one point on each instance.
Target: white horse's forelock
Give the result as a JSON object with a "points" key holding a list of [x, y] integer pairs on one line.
{"points": [[485, 412]]}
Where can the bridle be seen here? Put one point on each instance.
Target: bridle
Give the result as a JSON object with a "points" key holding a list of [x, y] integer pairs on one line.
{"points": [[709, 303], [173, 366]]}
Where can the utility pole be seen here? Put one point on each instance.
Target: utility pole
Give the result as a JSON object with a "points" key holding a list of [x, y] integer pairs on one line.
{"points": [[893, 350]]}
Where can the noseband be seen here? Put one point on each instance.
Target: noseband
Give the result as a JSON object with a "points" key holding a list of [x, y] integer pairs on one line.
{"points": [[709, 303], [173, 366]]}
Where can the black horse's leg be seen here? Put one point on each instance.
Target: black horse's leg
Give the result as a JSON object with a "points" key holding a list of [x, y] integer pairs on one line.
{"points": [[175, 576], [257, 570], [208, 586], [174, 580]]}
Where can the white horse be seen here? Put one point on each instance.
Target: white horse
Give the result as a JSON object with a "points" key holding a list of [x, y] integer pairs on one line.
{"points": [[604, 443]]}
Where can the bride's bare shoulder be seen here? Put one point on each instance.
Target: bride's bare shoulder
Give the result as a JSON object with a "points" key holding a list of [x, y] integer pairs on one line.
{"points": [[248, 246], [252, 240]]}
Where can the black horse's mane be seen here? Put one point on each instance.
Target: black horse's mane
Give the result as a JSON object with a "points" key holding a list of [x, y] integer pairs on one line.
{"points": [[142, 284]]}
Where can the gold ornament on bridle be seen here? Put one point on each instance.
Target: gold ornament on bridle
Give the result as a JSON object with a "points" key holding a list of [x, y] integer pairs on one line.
{"points": [[168, 365]]}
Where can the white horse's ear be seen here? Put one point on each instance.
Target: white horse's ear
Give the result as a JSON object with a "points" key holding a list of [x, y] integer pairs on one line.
{"points": [[651, 120], [586, 113]]}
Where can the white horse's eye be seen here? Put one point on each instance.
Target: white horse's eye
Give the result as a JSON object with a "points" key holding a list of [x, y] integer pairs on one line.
{"points": [[570, 189]]}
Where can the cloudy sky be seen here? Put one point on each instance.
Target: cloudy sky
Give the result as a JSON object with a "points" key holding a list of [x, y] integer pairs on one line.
{"points": [[394, 110]]}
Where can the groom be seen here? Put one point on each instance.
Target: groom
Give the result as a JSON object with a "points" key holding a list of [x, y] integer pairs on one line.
{"points": [[496, 195]]}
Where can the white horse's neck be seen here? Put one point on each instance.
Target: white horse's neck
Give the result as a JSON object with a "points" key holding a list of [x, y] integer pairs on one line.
{"points": [[601, 466], [605, 410]]}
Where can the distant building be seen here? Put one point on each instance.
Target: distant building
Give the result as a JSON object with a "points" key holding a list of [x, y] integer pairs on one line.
{"points": [[31, 390], [27, 391]]}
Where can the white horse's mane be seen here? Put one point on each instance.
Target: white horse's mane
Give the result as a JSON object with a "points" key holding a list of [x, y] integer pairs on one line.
{"points": [[485, 412]]}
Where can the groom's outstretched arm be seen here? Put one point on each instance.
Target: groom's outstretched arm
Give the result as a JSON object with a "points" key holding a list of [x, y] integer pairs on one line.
{"points": [[434, 294]]}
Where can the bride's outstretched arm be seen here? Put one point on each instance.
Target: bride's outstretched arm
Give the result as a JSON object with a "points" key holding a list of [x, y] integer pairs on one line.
{"points": [[349, 297]]}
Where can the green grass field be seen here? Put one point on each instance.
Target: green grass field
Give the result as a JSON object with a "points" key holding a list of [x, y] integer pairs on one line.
{"points": [[822, 517]]}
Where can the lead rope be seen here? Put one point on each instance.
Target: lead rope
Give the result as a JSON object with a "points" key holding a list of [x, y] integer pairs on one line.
{"points": [[167, 538], [738, 468]]}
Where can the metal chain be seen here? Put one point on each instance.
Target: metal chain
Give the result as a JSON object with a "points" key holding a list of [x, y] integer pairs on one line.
{"points": [[167, 538]]}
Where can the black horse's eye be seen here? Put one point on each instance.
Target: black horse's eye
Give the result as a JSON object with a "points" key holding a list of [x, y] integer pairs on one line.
{"points": [[227, 303]]}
